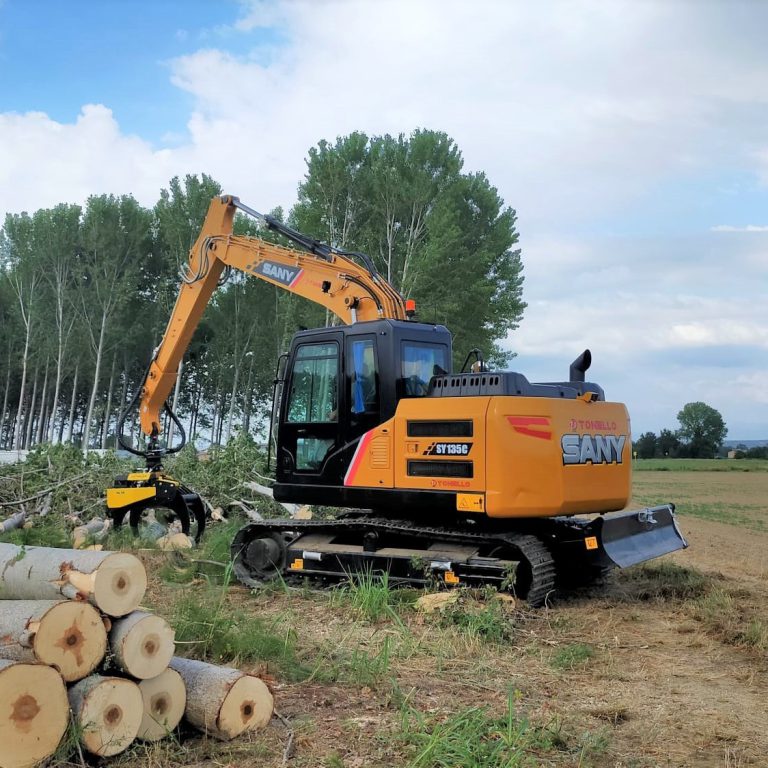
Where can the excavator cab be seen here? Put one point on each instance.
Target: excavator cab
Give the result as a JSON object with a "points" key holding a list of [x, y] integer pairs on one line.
{"points": [[339, 383]]}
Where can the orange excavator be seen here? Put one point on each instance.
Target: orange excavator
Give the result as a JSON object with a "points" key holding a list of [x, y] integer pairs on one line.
{"points": [[458, 477]]}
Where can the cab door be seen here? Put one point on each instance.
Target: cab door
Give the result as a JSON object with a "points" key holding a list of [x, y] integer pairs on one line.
{"points": [[312, 407]]}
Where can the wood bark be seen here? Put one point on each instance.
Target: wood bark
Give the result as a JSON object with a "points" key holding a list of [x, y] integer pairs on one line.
{"points": [[14, 521], [30, 414], [142, 644], [26, 316], [96, 528], [176, 389], [108, 712], [164, 698], [71, 423], [223, 702], [43, 404], [114, 582], [108, 406], [99, 349], [35, 713], [5, 397], [63, 634]]}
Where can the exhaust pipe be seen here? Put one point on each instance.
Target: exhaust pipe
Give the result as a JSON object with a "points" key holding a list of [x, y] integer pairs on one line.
{"points": [[580, 365]]}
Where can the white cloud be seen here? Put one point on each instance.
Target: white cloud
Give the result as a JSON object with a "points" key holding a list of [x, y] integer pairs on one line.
{"points": [[748, 228]]}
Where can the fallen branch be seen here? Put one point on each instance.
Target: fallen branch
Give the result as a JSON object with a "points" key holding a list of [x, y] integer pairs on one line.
{"points": [[289, 745], [262, 490], [40, 494]]}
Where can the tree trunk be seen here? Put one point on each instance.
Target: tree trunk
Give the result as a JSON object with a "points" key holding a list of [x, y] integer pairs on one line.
{"points": [[223, 702], [18, 433], [43, 406], [171, 425], [71, 427], [142, 644], [248, 400], [95, 387], [107, 712], [108, 408], [5, 399], [30, 414], [165, 698], [114, 582], [14, 521], [232, 404], [36, 713], [64, 634]]}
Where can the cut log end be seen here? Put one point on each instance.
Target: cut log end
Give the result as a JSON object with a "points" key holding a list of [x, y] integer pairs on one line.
{"points": [[247, 707], [119, 584], [70, 637], [164, 697], [143, 644], [108, 711], [221, 701], [35, 713]]}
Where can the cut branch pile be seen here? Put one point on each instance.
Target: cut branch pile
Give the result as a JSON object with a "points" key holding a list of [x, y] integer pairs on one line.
{"points": [[71, 616]]}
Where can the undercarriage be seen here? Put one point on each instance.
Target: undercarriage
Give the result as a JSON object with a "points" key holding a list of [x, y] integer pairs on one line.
{"points": [[532, 558]]}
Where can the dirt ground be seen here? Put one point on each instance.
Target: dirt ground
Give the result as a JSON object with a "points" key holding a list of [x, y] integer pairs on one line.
{"points": [[673, 678], [663, 688]]}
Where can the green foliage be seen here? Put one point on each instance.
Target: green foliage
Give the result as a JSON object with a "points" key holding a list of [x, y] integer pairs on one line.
{"points": [[645, 445], [702, 428], [440, 236], [220, 477]]}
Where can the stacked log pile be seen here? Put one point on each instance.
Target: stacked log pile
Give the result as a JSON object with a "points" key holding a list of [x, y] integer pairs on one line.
{"points": [[74, 644]]}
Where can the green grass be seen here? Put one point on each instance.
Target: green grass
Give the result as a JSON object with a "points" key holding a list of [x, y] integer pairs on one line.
{"points": [[369, 595], [572, 656], [213, 630], [475, 737], [485, 620], [700, 465]]}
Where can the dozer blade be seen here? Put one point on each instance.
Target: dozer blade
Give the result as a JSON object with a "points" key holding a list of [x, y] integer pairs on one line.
{"points": [[629, 538]]}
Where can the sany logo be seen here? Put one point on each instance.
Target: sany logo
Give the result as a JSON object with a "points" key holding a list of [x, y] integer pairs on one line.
{"points": [[597, 449], [284, 275]]}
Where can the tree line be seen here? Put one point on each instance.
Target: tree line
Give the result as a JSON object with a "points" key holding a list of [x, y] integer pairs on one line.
{"points": [[699, 436], [86, 291]]}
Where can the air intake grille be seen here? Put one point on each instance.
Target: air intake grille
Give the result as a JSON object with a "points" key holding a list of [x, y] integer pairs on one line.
{"points": [[440, 428], [440, 469]]}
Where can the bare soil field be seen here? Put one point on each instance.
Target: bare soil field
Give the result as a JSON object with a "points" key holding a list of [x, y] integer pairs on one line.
{"points": [[669, 667]]}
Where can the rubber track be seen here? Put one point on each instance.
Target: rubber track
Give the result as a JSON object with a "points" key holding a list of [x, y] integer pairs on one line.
{"points": [[531, 548]]}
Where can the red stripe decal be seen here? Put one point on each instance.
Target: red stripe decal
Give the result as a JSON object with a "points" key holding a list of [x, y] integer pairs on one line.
{"points": [[354, 465], [522, 425], [296, 279]]}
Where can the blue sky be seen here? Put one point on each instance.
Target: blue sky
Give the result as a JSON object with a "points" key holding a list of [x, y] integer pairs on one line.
{"points": [[57, 56], [630, 137]]}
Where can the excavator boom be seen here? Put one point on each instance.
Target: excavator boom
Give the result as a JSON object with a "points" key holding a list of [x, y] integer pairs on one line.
{"points": [[324, 275]]}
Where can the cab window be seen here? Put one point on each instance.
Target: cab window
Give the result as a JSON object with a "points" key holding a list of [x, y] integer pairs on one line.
{"points": [[314, 384], [420, 363], [365, 395]]}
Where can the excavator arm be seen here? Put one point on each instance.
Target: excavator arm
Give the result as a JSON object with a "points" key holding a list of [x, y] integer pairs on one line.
{"points": [[321, 273], [326, 275]]}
